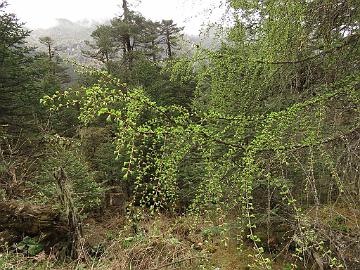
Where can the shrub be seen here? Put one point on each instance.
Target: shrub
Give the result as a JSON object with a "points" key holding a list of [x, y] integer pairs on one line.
{"points": [[87, 193]]}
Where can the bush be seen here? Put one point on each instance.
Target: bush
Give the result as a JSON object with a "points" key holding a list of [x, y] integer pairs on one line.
{"points": [[87, 193]]}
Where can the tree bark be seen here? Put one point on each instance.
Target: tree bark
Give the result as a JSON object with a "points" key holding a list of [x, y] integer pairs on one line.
{"points": [[18, 219], [168, 43], [30, 219]]}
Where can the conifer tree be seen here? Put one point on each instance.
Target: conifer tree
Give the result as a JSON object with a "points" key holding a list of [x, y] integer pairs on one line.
{"points": [[104, 48], [170, 34], [48, 42], [15, 71]]}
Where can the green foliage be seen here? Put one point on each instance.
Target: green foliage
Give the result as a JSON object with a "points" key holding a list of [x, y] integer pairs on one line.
{"points": [[99, 150], [25, 76], [170, 32], [15, 64], [265, 127], [30, 246], [104, 47], [339, 223], [263, 111], [88, 194]]}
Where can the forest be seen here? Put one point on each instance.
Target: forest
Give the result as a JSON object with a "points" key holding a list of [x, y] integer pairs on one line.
{"points": [[147, 156]]}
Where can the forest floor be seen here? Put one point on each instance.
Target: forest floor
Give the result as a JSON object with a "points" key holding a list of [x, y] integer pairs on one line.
{"points": [[112, 242]]}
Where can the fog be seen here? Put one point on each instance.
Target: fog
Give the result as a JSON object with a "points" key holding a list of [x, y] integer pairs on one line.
{"points": [[189, 13]]}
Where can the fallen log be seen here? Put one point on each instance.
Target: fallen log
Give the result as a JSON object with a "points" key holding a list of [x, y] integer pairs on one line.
{"points": [[23, 219]]}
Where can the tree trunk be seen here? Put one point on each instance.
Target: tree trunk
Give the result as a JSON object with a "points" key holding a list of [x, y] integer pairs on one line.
{"points": [[49, 51], [168, 43], [126, 10]]}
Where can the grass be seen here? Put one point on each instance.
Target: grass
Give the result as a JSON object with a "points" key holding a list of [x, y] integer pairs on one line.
{"points": [[160, 243]]}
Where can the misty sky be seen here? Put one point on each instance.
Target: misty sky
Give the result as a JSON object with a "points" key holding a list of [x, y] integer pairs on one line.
{"points": [[189, 13]]}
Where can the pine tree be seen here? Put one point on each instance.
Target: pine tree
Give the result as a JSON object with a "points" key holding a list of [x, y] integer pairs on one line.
{"points": [[151, 39], [104, 48], [48, 42], [170, 34]]}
